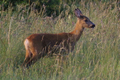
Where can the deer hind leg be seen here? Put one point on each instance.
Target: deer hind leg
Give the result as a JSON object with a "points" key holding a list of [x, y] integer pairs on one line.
{"points": [[27, 57], [33, 58], [28, 52]]}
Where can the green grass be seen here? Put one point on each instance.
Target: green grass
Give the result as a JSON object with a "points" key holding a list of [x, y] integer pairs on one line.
{"points": [[95, 57]]}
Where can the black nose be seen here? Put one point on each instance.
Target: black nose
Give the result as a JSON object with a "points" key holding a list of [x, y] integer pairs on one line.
{"points": [[93, 26]]}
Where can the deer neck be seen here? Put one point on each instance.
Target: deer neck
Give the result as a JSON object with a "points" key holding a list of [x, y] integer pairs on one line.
{"points": [[77, 32]]}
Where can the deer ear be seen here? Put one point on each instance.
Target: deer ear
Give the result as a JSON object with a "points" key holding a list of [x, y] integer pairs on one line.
{"points": [[77, 12]]}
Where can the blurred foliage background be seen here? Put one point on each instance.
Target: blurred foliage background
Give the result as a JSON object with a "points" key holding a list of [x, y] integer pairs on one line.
{"points": [[51, 7]]}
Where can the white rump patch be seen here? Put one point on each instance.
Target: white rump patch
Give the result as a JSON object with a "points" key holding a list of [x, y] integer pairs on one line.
{"points": [[26, 43]]}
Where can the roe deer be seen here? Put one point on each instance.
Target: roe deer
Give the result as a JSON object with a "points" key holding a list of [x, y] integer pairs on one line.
{"points": [[38, 45]]}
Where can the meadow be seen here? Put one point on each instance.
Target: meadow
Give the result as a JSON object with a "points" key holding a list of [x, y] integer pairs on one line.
{"points": [[96, 55]]}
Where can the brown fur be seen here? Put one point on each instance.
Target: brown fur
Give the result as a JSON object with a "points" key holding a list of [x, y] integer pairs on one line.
{"points": [[38, 45]]}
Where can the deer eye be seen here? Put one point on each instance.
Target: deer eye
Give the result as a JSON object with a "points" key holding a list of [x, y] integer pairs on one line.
{"points": [[86, 20]]}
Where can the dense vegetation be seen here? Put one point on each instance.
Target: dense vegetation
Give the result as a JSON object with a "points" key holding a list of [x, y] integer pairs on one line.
{"points": [[51, 7], [96, 55]]}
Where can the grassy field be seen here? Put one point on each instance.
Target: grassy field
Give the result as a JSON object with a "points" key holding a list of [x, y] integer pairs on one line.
{"points": [[95, 57]]}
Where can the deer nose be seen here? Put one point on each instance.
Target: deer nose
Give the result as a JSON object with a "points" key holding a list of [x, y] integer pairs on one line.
{"points": [[93, 26]]}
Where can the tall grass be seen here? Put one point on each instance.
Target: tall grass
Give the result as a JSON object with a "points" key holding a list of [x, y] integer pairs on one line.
{"points": [[96, 55]]}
